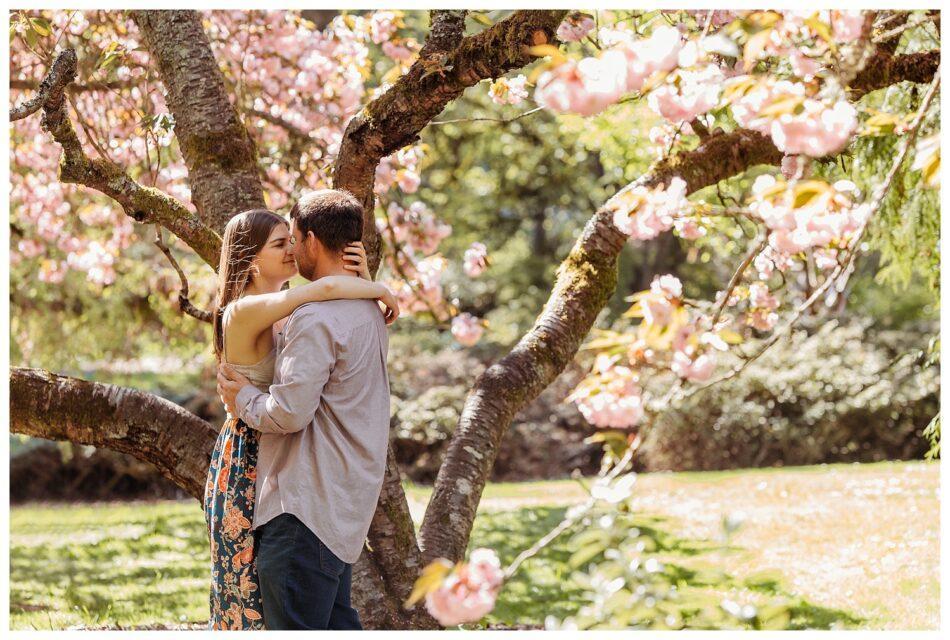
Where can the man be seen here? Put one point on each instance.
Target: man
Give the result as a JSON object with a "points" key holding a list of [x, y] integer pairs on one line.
{"points": [[324, 431]]}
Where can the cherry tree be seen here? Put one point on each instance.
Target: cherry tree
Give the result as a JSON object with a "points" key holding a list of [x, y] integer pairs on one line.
{"points": [[187, 118]]}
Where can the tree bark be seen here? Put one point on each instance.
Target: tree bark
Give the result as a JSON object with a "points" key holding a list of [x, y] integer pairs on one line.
{"points": [[884, 69], [220, 156], [446, 28], [395, 119], [178, 443]]}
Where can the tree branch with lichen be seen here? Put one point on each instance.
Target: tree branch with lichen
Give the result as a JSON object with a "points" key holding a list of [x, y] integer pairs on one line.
{"points": [[141, 203]]}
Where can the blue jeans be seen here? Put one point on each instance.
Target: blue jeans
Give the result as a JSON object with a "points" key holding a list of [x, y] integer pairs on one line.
{"points": [[303, 584]]}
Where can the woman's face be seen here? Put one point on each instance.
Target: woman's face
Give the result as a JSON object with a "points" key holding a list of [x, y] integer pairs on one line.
{"points": [[275, 261]]}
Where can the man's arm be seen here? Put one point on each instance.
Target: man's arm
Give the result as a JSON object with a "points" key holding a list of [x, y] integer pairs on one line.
{"points": [[303, 368]]}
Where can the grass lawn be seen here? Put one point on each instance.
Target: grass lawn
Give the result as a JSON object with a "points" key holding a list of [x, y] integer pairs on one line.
{"points": [[854, 546]]}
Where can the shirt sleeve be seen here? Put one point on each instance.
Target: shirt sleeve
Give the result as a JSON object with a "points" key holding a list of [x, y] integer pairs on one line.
{"points": [[301, 372]]}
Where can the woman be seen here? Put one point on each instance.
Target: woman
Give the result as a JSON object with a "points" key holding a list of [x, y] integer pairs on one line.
{"points": [[256, 262]]}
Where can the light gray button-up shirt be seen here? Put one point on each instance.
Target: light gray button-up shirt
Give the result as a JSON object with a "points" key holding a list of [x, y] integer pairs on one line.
{"points": [[324, 423]]}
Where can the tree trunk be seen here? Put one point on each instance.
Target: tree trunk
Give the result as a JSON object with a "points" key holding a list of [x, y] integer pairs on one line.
{"points": [[219, 154]]}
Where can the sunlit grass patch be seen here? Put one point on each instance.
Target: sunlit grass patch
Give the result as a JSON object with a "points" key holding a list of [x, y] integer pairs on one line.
{"points": [[847, 545]]}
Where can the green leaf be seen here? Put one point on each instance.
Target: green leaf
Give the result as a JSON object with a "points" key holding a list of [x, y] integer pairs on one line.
{"points": [[41, 26]]}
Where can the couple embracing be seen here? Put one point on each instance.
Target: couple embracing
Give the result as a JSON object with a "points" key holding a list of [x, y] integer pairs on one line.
{"points": [[298, 466]]}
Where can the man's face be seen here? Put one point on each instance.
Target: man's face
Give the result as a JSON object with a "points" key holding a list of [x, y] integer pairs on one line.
{"points": [[303, 254]]}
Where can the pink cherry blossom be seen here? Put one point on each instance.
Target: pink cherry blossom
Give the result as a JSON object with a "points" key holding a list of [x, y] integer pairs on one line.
{"points": [[469, 592], [667, 285], [610, 399], [817, 131], [585, 88], [417, 226], [408, 181], [828, 218], [747, 105], [793, 167], [644, 57], [52, 271], [719, 18], [847, 25], [574, 27], [644, 213], [698, 369], [802, 65], [397, 51], [759, 296], [688, 93], [657, 310], [660, 52], [509, 90], [475, 260], [467, 329], [688, 228], [762, 319], [382, 25], [30, 248]]}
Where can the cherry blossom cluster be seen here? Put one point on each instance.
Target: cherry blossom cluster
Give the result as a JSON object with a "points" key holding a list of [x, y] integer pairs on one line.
{"points": [[416, 227], [683, 79], [509, 90], [669, 336], [467, 329], [798, 123], [475, 260], [401, 169], [643, 213], [610, 395], [807, 38], [468, 592], [809, 214], [418, 285], [575, 27], [295, 86], [60, 228]]}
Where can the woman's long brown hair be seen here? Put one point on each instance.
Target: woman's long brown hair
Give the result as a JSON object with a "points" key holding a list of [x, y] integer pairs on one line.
{"points": [[244, 237]]}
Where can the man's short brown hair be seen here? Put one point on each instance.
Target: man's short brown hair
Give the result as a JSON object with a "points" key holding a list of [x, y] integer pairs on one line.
{"points": [[332, 215]]}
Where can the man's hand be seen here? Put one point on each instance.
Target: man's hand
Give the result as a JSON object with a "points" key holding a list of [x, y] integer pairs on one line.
{"points": [[229, 383]]}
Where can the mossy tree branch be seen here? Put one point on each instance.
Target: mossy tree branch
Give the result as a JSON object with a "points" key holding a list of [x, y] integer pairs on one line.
{"points": [[55, 407], [141, 203]]}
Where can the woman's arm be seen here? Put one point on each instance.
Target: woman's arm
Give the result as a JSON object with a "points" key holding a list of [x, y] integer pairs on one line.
{"points": [[255, 314]]}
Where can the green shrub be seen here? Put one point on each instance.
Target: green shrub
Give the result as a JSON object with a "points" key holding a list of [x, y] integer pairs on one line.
{"points": [[839, 394]]}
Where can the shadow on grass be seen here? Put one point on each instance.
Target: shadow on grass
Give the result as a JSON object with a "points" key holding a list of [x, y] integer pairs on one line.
{"points": [[544, 585], [154, 569]]}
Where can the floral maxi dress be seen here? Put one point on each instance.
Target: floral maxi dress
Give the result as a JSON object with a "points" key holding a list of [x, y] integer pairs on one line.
{"points": [[229, 512]]}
